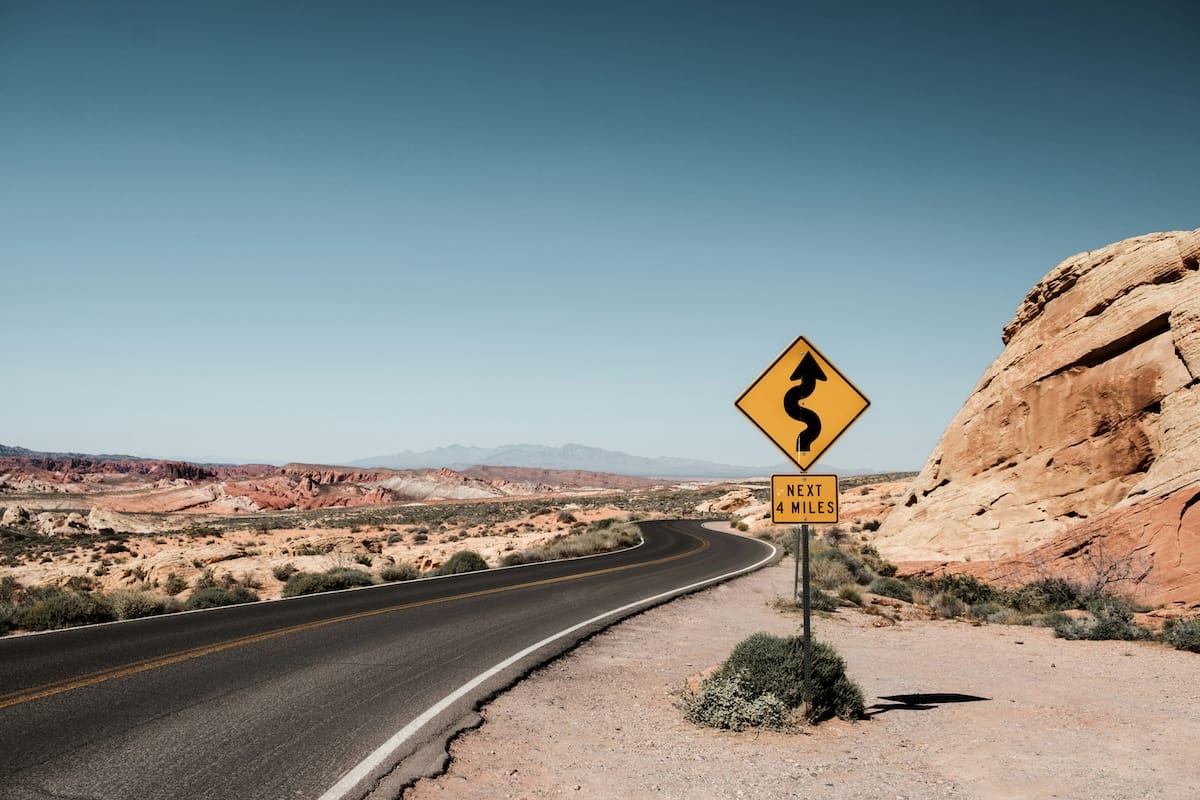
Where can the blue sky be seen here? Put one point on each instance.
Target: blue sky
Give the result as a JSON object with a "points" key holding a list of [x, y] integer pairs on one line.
{"points": [[325, 231]]}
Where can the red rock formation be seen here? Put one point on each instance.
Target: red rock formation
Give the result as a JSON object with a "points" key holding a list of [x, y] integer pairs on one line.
{"points": [[1086, 429]]}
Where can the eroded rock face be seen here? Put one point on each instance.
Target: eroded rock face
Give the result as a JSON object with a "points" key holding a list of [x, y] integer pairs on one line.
{"points": [[1089, 419]]}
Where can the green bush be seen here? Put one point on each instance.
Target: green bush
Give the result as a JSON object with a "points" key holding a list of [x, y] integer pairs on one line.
{"points": [[820, 601], [855, 568], [1049, 594], [329, 581], [829, 573], [966, 588], [462, 561], [10, 588], [1183, 633], [214, 596], [533, 555], [775, 665], [850, 594], [173, 584], [947, 605], [81, 583], [875, 563], [726, 702], [1106, 620], [399, 572], [55, 608], [1008, 616], [891, 587], [205, 580], [138, 604], [8, 617], [284, 571]]}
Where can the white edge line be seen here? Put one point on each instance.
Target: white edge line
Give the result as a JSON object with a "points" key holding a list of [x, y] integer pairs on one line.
{"points": [[383, 754]]}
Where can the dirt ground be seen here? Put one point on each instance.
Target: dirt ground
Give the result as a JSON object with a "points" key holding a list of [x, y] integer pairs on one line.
{"points": [[1007, 712]]}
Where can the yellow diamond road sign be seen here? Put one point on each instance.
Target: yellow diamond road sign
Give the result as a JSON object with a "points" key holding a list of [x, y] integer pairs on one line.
{"points": [[802, 403]]}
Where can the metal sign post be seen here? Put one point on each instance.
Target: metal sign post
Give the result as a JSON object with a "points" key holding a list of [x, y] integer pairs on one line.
{"points": [[802, 403], [807, 627]]}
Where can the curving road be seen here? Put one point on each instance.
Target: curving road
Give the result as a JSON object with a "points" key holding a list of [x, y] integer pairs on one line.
{"points": [[321, 696]]}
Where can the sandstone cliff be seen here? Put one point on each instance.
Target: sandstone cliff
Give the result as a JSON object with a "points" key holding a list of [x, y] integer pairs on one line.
{"points": [[1082, 440]]}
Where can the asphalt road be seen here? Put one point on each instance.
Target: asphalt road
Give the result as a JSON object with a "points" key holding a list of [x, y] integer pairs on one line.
{"points": [[319, 696]]}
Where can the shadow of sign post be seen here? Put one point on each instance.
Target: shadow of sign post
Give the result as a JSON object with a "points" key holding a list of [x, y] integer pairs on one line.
{"points": [[921, 701]]}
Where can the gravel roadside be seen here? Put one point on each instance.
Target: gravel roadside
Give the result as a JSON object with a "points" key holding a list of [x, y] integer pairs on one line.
{"points": [[1006, 712]]}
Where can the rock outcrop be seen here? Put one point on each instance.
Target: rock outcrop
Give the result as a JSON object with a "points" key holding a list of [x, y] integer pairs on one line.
{"points": [[1084, 435]]}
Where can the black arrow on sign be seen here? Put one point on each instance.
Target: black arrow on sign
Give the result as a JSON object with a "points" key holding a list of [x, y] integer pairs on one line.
{"points": [[808, 372]]}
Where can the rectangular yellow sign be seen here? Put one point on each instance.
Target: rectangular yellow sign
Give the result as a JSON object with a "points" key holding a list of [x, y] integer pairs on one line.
{"points": [[804, 498]]}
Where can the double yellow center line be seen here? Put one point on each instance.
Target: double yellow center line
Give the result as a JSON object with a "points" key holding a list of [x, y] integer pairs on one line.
{"points": [[112, 673]]}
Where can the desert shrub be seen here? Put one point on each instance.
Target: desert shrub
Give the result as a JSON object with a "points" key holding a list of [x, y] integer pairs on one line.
{"points": [[871, 525], [420, 538], [835, 535], [531, 556], [875, 563], [10, 587], [726, 702], [81, 583], [1106, 620], [173, 584], [775, 665], [891, 587], [1183, 633], [948, 605], [967, 588], [138, 604], [8, 617], [565, 517], [399, 572], [601, 536], [1051, 620], [829, 573], [986, 609], [213, 596], [328, 581], [1008, 616], [58, 609], [205, 580], [855, 568], [1049, 594], [284, 571], [462, 561], [849, 592], [363, 559], [820, 601]]}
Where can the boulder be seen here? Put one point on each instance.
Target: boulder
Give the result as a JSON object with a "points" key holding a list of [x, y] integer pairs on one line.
{"points": [[730, 501], [14, 516], [1084, 429]]}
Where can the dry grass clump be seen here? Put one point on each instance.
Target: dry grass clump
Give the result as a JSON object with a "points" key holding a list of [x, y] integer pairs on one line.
{"points": [[601, 536]]}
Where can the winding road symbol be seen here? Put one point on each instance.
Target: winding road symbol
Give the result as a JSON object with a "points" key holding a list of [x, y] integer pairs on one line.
{"points": [[808, 373], [802, 403]]}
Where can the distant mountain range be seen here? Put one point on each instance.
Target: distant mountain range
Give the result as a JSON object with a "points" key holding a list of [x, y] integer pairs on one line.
{"points": [[569, 456], [9, 451]]}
